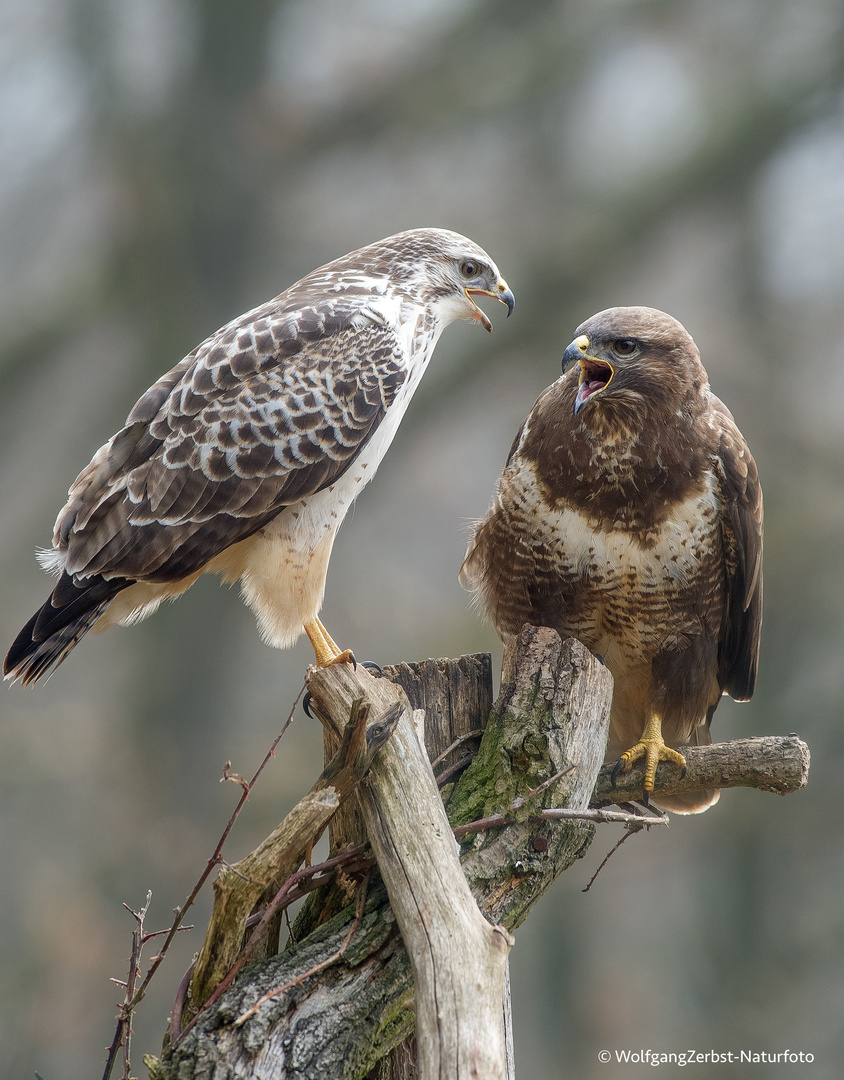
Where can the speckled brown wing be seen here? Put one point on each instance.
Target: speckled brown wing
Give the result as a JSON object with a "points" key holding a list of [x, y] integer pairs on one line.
{"points": [[741, 527], [265, 412]]}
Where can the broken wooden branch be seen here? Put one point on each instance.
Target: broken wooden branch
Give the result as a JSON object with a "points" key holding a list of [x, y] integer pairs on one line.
{"points": [[458, 958], [776, 763]]}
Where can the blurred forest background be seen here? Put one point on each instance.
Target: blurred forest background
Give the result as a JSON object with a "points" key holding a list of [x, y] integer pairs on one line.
{"points": [[167, 164]]}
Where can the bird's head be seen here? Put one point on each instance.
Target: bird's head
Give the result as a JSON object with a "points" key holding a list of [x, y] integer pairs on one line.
{"points": [[446, 271], [636, 358]]}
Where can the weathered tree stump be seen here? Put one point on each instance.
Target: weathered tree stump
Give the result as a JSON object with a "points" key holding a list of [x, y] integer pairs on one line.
{"points": [[341, 996]]}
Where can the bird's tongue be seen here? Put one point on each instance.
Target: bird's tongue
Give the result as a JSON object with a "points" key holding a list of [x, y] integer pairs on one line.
{"points": [[587, 388]]}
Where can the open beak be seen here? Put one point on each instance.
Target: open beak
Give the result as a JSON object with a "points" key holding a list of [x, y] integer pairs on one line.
{"points": [[503, 293], [595, 374]]}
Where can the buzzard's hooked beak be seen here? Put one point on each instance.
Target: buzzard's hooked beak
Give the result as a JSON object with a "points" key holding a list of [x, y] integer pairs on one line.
{"points": [[503, 293], [595, 374]]}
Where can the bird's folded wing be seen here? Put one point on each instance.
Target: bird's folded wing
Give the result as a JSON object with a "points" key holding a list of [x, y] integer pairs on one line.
{"points": [[269, 410], [741, 495]]}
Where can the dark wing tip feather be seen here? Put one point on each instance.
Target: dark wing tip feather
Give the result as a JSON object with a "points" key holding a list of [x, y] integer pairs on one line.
{"points": [[742, 529], [56, 628], [29, 661]]}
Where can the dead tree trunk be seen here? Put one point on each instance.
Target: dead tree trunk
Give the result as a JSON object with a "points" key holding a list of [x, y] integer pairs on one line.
{"points": [[341, 995]]}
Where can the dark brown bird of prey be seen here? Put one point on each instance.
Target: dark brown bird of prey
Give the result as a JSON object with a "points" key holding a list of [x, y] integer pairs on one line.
{"points": [[629, 516], [244, 458]]}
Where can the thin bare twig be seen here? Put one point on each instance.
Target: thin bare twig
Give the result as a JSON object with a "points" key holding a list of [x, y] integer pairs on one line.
{"points": [[601, 816], [230, 866], [547, 783], [461, 763], [234, 777], [476, 733], [563, 814], [629, 831], [134, 971], [123, 1034], [173, 1031]]}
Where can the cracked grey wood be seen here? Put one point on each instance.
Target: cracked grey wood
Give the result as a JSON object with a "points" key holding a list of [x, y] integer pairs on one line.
{"points": [[458, 958]]}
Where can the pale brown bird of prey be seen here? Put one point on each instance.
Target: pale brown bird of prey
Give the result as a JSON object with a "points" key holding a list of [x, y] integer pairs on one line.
{"points": [[629, 516], [244, 458]]}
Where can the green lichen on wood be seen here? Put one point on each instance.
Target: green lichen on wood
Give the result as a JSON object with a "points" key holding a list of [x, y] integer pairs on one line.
{"points": [[487, 782], [154, 1067], [396, 1022], [512, 760], [534, 732]]}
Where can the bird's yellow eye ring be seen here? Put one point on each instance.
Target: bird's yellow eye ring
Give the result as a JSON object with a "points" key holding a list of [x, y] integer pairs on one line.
{"points": [[470, 269]]}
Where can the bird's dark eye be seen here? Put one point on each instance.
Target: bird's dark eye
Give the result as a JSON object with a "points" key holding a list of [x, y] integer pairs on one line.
{"points": [[470, 269], [625, 346]]}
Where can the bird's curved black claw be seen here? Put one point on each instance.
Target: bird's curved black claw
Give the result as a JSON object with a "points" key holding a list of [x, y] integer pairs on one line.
{"points": [[306, 704], [370, 665], [616, 769]]}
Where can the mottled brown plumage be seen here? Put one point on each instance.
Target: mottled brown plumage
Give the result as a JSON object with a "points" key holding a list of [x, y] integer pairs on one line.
{"points": [[629, 515], [244, 458]]}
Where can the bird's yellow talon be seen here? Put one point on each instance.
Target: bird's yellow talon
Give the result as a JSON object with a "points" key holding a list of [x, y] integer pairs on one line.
{"points": [[651, 746], [326, 651], [345, 657]]}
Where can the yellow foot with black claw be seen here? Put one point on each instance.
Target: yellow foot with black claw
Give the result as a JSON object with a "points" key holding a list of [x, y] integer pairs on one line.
{"points": [[651, 746], [345, 657], [326, 652]]}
